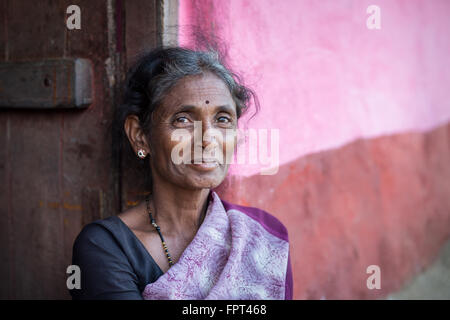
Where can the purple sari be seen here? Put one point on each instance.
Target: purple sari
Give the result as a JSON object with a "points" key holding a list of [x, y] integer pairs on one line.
{"points": [[238, 253]]}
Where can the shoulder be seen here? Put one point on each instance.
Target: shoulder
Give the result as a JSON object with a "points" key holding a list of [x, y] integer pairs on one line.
{"points": [[271, 223], [100, 244], [105, 268], [100, 233]]}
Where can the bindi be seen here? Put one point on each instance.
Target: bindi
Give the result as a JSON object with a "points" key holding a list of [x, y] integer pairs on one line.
{"points": [[207, 101]]}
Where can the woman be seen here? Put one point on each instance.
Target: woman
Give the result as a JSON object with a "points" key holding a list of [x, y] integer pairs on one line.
{"points": [[183, 242]]}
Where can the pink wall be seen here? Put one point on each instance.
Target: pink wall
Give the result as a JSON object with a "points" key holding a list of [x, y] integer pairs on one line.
{"points": [[364, 175], [324, 77]]}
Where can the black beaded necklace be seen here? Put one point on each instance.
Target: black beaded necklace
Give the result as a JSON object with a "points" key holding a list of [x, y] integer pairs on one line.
{"points": [[152, 221]]}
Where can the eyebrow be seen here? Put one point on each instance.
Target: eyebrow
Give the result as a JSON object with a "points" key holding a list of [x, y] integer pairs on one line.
{"points": [[187, 108]]}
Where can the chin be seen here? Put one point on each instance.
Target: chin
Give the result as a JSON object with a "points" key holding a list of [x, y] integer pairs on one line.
{"points": [[192, 178], [204, 182]]}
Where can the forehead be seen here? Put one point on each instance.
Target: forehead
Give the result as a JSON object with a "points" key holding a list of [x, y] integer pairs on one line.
{"points": [[195, 90]]}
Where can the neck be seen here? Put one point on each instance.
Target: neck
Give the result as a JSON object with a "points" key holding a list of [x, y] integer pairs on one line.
{"points": [[180, 211]]}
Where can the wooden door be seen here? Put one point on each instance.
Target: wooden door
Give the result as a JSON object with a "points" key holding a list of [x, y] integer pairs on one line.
{"points": [[57, 166]]}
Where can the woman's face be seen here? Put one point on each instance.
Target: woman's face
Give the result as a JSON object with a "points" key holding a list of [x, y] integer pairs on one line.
{"points": [[202, 102]]}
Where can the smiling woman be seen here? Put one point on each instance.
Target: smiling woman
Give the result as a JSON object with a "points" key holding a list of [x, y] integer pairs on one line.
{"points": [[183, 242]]}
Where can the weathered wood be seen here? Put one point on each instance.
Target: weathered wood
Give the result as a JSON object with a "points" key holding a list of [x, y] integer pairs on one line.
{"points": [[142, 33], [5, 214], [57, 169], [35, 219], [54, 83], [141, 28], [50, 156]]}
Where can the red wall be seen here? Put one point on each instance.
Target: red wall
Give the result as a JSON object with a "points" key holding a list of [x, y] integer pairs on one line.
{"points": [[362, 115]]}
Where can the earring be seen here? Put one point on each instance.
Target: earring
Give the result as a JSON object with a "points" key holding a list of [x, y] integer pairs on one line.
{"points": [[141, 153]]}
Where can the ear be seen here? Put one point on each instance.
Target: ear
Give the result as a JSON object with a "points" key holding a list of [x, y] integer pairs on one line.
{"points": [[135, 134]]}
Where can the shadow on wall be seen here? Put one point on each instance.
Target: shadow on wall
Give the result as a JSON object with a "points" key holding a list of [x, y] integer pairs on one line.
{"points": [[434, 283], [382, 201]]}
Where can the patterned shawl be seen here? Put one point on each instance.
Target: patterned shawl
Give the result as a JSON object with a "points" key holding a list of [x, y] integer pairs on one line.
{"points": [[238, 253]]}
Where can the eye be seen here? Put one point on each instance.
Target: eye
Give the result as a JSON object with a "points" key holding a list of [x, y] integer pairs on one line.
{"points": [[224, 119], [181, 120]]}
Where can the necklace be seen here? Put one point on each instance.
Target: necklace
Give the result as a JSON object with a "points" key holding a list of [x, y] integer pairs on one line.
{"points": [[152, 221]]}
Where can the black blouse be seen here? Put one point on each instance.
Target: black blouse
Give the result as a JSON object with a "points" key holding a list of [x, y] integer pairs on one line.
{"points": [[114, 263]]}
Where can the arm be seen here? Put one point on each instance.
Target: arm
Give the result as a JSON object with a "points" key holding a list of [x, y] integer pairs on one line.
{"points": [[105, 270]]}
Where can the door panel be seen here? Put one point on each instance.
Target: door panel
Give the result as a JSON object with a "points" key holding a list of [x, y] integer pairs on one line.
{"points": [[57, 168]]}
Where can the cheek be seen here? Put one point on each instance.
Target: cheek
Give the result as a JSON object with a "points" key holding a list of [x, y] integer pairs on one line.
{"points": [[176, 147], [229, 145], [162, 146]]}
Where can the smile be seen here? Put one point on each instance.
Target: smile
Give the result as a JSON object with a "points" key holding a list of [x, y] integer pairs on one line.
{"points": [[205, 165]]}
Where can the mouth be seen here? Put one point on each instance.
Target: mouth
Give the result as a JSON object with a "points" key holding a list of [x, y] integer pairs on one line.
{"points": [[205, 164]]}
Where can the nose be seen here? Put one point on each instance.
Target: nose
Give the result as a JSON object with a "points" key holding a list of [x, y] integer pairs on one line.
{"points": [[210, 135], [206, 137]]}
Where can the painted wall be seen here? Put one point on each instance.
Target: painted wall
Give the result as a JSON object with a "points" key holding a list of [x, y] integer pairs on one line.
{"points": [[362, 115]]}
